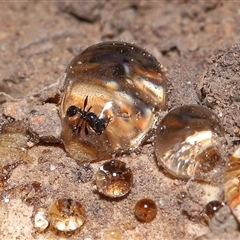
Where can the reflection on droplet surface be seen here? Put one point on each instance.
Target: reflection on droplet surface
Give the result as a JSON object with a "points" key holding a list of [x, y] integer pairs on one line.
{"points": [[114, 179], [110, 88], [232, 183], [66, 215], [145, 210], [187, 142]]}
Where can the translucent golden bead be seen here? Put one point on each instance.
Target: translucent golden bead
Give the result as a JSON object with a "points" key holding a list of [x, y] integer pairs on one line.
{"points": [[145, 210], [114, 179], [187, 142]]}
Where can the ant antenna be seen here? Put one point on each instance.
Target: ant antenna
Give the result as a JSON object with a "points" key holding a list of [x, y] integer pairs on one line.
{"points": [[85, 102]]}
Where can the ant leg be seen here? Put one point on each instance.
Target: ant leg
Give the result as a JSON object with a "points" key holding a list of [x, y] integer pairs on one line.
{"points": [[79, 126], [109, 120], [86, 130], [74, 129]]}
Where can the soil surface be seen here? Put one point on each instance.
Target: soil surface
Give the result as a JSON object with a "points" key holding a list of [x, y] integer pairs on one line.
{"points": [[198, 44]]}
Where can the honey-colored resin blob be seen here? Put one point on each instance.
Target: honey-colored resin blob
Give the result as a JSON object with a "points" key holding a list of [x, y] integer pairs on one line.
{"points": [[15, 140], [187, 143], [145, 210], [112, 91], [66, 215], [114, 179], [232, 183]]}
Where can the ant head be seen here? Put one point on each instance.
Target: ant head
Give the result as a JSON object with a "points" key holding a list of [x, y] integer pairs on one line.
{"points": [[71, 111]]}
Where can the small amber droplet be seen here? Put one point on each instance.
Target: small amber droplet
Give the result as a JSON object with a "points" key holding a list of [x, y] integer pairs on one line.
{"points": [[113, 233], [41, 220], [187, 142], [212, 207], [66, 215], [145, 210], [114, 179]]}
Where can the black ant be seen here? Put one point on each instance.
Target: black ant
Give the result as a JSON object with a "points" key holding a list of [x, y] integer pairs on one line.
{"points": [[87, 118]]}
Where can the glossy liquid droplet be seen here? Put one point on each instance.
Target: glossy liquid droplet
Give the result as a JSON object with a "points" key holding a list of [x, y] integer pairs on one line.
{"points": [[114, 179], [112, 91], [41, 221], [145, 210], [66, 215], [187, 142]]}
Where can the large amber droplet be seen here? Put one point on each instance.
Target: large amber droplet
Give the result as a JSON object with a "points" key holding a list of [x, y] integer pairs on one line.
{"points": [[112, 91], [232, 183], [187, 142]]}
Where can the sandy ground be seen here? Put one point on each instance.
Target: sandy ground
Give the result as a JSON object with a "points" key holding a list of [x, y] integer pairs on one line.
{"points": [[195, 41]]}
